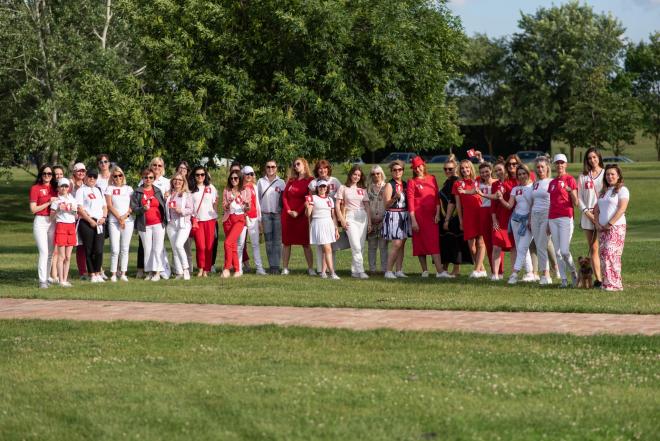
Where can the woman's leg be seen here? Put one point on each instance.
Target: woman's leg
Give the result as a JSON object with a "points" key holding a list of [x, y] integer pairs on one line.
{"points": [[497, 260], [255, 235], [327, 256], [400, 256], [172, 235], [393, 256], [115, 239], [592, 242], [480, 254], [146, 240], [437, 262], [286, 255], [45, 246], [157, 247], [66, 264], [125, 246], [422, 263], [357, 232], [201, 247], [60, 264], [382, 246], [97, 258], [308, 256], [372, 246]]}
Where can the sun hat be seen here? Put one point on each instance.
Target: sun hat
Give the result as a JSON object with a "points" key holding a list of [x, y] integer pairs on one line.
{"points": [[321, 183], [559, 157], [62, 182], [247, 169], [79, 166], [416, 162]]}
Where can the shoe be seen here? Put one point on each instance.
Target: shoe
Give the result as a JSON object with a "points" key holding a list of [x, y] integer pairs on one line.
{"points": [[363, 276], [225, 274], [545, 280], [140, 274], [400, 275], [564, 283], [557, 275], [156, 277], [246, 267], [113, 278], [103, 276], [574, 279], [213, 270], [425, 274], [474, 275], [53, 281], [261, 272], [334, 276], [66, 284], [178, 277], [443, 275], [164, 276], [537, 278], [85, 277], [597, 283], [274, 271], [43, 285], [123, 278], [495, 278], [529, 277], [95, 279], [285, 272], [147, 277], [186, 274], [311, 271], [389, 275], [238, 273], [324, 276], [513, 279]]}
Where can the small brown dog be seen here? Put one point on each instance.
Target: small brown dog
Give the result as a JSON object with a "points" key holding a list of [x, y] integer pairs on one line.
{"points": [[585, 276]]}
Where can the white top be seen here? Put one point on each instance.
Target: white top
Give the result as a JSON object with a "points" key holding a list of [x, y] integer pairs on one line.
{"points": [[354, 197], [121, 200], [65, 208], [322, 207], [333, 186], [269, 195], [92, 201], [523, 197], [588, 190], [485, 189], [608, 204], [237, 204], [207, 210], [540, 195], [102, 183], [185, 203]]}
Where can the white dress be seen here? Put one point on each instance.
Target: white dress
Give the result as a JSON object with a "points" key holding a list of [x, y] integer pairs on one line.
{"points": [[322, 228]]}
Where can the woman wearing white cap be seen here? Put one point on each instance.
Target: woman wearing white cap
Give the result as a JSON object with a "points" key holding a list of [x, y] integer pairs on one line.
{"points": [[269, 191], [120, 223], [323, 172], [252, 220], [93, 212], [563, 197], [323, 230], [590, 183], [42, 194], [352, 196], [63, 210]]}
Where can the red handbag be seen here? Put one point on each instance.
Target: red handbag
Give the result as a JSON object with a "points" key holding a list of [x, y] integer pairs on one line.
{"points": [[193, 220]]}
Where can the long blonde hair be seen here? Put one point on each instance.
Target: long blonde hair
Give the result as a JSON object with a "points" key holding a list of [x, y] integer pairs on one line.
{"points": [[184, 186], [473, 174]]}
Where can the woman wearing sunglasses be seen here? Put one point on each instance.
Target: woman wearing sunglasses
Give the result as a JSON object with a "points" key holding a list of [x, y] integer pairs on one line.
{"points": [[179, 210], [295, 225], [93, 212], [235, 204], [148, 206], [120, 223], [396, 223], [252, 220], [105, 175], [42, 194], [205, 201]]}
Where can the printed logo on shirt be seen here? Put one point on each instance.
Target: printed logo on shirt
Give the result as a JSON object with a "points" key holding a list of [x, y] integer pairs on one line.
{"points": [[278, 190], [116, 191], [171, 204], [562, 184], [91, 196], [536, 186], [65, 207], [519, 192], [420, 186], [360, 192], [588, 185], [462, 184], [399, 188], [207, 190], [329, 202], [43, 192]]}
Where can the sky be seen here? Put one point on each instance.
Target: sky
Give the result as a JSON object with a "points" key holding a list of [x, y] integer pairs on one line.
{"points": [[498, 18]]}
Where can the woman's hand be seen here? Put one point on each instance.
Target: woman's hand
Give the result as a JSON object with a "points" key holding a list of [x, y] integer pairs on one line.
{"points": [[415, 226], [101, 221], [445, 225], [590, 215], [293, 214], [460, 224], [336, 233], [499, 195], [436, 219], [93, 223]]}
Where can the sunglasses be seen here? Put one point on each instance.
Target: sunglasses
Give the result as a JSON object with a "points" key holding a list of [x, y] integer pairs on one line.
{"points": [[177, 180], [65, 185], [117, 176], [234, 178], [158, 165], [200, 175], [249, 174], [511, 164], [297, 164], [560, 162], [449, 169], [397, 169], [91, 177], [151, 178], [271, 166], [46, 174], [104, 161]]}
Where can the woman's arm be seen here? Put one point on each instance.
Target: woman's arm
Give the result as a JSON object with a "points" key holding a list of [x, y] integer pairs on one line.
{"points": [[388, 196], [459, 211]]}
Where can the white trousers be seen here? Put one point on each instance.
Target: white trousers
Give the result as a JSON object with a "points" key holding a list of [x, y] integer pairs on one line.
{"points": [[539, 222], [187, 248], [44, 235], [357, 233], [251, 231], [522, 248], [120, 244], [153, 241], [178, 238], [562, 233]]}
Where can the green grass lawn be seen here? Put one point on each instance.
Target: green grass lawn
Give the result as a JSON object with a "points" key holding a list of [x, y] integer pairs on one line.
{"points": [[641, 262], [147, 381]]}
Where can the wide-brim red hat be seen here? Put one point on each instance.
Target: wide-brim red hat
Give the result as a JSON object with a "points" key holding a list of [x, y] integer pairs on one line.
{"points": [[416, 162]]}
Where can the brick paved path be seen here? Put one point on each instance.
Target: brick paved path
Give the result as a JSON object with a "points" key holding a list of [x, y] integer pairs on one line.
{"points": [[360, 319]]}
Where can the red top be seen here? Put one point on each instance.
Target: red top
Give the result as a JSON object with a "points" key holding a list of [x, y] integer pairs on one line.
{"points": [[422, 193], [152, 215], [252, 214], [40, 194], [294, 195], [468, 201], [501, 212], [561, 204]]}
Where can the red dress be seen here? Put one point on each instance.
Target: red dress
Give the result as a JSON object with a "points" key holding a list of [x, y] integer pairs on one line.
{"points": [[422, 197], [470, 204], [295, 231], [503, 214]]}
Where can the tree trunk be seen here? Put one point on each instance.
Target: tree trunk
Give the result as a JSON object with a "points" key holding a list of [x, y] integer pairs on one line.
{"points": [[572, 152], [657, 144]]}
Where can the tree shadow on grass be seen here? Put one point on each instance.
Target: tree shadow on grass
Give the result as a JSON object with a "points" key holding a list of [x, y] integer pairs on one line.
{"points": [[18, 249]]}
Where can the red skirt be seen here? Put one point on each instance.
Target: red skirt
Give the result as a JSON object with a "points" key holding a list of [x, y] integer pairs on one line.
{"points": [[65, 235], [295, 231], [472, 223]]}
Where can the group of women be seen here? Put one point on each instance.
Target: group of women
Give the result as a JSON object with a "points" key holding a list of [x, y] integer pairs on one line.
{"points": [[506, 208]]}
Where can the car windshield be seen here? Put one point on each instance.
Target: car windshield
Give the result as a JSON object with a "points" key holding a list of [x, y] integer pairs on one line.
{"points": [[524, 156]]}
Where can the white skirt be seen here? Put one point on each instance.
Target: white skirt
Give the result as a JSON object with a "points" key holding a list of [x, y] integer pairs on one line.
{"points": [[322, 231]]}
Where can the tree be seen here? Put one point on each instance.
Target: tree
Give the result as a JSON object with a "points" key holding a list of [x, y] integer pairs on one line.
{"points": [[643, 63], [557, 49], [482, 89]]}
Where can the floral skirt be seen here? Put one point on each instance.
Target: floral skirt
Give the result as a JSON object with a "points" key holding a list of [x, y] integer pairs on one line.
{"points": [[610, 249]]}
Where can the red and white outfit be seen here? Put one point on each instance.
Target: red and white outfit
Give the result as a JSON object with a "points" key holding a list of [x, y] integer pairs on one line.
{"points": [[611, 241], [522, 235], [486, 222], [233, 222], [322, 227], [120, 238], [333, 187], [43, 229], [470, 206], [502, 215], [178, 227], [539, 220], [423, 202], [65, 209], [205, 200], [357, 220], [251, 229], [560, 220], [589, 188]]}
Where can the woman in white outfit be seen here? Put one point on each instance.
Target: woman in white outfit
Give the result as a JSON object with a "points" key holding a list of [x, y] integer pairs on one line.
{"points": [[179, 210], [539, 216], [323, 172], [323, 230], [42, 194], [521, 203], [58, 173], [120, 223], [352, 199], [93, 212], [590, 183], [252, 221], [563, 197], [375, 239]]}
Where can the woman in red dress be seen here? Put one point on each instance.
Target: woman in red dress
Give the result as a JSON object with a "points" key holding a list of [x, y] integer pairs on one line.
{"points": [[468, 204], [502, 240], [295, 225], [424, 209]]}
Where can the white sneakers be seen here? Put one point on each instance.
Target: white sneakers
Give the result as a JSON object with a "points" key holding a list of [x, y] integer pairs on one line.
{"points": [[529, 277], [444, 275], [389, 275], [545, 280], [311, 271], [496, 278], [400, 275], [260, 272], [334, 276], [361, 275], [97, 279], [425, 274], [478, 275], [113, 278], [123, 278], [285, 271], [156, 277], [66, 284], [513, 279], [186, 274]]}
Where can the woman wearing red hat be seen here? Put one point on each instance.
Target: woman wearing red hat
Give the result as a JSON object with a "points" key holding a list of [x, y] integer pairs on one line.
{"points": [[424, 209]]}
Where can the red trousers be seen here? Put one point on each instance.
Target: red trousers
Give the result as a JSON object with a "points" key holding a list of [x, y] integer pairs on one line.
{"points": [[233, 228], [204, 244]]}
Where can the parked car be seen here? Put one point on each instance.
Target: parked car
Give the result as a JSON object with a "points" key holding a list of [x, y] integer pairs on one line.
{"points": [[438, 159], [487, 158], [611, 159], [403, 156], [529, 155]]}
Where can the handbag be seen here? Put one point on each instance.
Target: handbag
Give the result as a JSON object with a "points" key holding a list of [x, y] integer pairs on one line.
{"points": [[193, 220]]}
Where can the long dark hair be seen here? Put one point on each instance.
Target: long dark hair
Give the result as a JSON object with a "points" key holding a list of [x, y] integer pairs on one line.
{"points": [[585, 162], [240, 180], [40, 174], [349, 181], [192, 182], [619, 182]]}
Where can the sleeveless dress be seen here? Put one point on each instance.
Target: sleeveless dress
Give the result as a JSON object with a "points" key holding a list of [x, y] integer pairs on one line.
{"points": [[396, 223]]}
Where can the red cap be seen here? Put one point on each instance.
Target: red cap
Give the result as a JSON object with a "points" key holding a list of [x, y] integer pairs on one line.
{"points": [[416, 162]]}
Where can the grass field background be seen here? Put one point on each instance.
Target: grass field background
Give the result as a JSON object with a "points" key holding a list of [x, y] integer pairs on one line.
{"points": [[641, 263]]}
